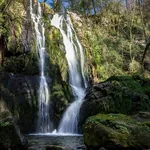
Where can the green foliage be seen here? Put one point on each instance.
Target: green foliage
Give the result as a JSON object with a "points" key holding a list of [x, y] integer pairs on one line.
{"points": [[114, 41], [133, 95]]}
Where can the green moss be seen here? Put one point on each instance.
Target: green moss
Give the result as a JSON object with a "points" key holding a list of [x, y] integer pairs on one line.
{"points": [[113, 130], [59, 98], [131, 90]]}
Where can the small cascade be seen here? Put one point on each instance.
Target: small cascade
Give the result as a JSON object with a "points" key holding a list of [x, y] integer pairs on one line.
{"points": [[44, 124], [75, 59]]}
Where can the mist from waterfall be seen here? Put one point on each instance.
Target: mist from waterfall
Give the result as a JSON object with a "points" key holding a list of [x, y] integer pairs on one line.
{"points": [[44, 124], [77, 81]]}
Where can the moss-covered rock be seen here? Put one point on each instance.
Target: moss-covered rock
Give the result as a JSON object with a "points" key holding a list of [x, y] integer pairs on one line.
{"points": [[10, 135], [115, 131], [118, 94], [60, 98]]}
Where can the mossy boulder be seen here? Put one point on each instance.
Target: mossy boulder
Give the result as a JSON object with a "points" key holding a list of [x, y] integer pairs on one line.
{"points": [[115, 131], [60, 98], [10, 135], [118, 94]]}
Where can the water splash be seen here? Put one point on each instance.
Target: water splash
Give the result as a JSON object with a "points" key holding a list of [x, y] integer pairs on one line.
{"points": [[44, 124], [69, 122]]}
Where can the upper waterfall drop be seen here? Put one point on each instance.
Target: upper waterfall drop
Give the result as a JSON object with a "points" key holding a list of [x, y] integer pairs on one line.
{"points": [[77, 81], [44, 124]]}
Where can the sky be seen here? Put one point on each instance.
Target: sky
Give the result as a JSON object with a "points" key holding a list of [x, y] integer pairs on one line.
{"points": [[48, 1]]}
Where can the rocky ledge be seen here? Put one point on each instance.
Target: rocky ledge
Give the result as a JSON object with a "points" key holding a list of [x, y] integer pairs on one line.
{"points": [[116, 132]]}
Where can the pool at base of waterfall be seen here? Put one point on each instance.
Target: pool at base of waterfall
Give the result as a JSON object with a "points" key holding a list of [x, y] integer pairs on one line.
{"points": [[55, 142]]}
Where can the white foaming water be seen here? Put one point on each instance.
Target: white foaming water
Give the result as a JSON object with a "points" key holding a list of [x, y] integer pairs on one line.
{"points": [[55, 134], [69, 122], [43, 124]]}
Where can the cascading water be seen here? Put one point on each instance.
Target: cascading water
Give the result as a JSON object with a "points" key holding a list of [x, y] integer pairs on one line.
{"points": [[44, 124], [69, 122]]}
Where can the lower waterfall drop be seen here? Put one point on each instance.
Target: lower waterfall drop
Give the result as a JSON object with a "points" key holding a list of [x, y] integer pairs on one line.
{"points": [[75, 59], [44, 124]]}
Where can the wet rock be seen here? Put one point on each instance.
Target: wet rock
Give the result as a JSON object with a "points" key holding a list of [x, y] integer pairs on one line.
{"points": [[115, 131], [10, 135], [122, 94], [54, 147], [19, 92], [82, 147]]}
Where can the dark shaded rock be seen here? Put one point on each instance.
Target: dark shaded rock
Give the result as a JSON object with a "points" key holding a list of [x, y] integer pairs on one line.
{"points": [[19, 92], [147, 65], [122, 94], [10, 135], [102, 148], [54, 147], [143, 117], [82, 147], [115, 131], [20, 95]]}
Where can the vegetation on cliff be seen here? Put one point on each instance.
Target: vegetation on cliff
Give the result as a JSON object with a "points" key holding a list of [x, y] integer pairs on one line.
{"points": [[115, 40]]}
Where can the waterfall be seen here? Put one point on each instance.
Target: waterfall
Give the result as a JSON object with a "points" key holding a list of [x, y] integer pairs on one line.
{"points": [[77, 81], [43, 124]]}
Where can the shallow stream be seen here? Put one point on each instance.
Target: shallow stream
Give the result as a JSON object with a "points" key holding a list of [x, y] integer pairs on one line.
{"points": [[69, 142]]}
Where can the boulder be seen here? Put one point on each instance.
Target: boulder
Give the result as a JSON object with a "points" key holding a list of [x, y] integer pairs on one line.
{"points": [[10, 135], [115, 131], [118, 94], [55, 147]]}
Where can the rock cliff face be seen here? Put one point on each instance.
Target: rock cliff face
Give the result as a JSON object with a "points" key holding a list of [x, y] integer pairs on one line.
{"points": [[19, 92], [10, 135], [19, 70], [17, 57]]}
